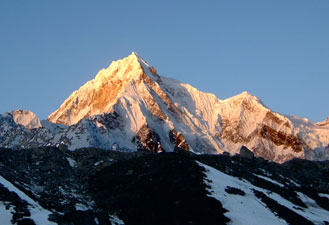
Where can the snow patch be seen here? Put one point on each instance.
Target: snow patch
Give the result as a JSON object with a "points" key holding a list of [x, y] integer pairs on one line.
{"points": [[242, 210], [293, 182], [242, 207], [81, 207], [115, 220], [324, 195], [72, 162], [5, 214], [97, 163], [38, 214], [269, 180], [313, 212]]}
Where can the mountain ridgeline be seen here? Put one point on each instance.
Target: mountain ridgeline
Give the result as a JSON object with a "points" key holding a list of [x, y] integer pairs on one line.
{"points": [[130, 107]]}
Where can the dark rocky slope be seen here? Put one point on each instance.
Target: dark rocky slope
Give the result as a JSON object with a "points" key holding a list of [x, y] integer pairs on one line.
{"points": [[92, 186]]}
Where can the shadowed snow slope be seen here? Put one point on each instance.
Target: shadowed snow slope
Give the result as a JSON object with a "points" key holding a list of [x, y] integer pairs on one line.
{"points": [[242, 199]]}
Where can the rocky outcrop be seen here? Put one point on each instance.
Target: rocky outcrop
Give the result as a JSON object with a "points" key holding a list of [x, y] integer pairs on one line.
{"points": [[148, 140], [281, 138], [110, 120], [246, 153], [178, 140]]}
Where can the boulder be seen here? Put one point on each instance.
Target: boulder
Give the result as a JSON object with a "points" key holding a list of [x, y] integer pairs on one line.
{"points": [[246, 153]]}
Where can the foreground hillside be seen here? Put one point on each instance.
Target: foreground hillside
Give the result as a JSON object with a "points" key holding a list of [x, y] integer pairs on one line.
{"points": [[90, 186]]}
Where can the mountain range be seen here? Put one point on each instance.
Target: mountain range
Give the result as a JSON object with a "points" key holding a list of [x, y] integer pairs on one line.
{"points": [[132, 147], [130, 107]]}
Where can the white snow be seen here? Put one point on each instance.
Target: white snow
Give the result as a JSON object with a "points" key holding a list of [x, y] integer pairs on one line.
{"points": [[52, 127], [38, 214], [72, 162], [292, 181], [324, 195], [313, 213], [269, 179], [5, 215], [111, 81], [81, 207], [244, 210], [248, 209], [114, 219], [97, 163]]}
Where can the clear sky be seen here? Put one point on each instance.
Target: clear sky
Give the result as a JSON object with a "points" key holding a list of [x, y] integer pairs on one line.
{"points": [[277, 50]]}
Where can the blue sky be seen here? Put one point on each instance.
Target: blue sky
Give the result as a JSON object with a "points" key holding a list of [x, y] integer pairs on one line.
{"points": [[277, 50]]}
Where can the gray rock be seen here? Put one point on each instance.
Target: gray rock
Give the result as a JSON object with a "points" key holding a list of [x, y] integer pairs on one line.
{"points": [[246, 153]]}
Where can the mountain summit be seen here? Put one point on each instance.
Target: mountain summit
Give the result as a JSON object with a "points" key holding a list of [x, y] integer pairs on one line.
{"points": [[100, 94], [129, 107]]}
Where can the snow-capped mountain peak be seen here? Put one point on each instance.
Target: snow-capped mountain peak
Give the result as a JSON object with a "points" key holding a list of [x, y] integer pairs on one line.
{"points": [[164, 113], [26, 118], [244, 97], [100, 94], [128, 106]]}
